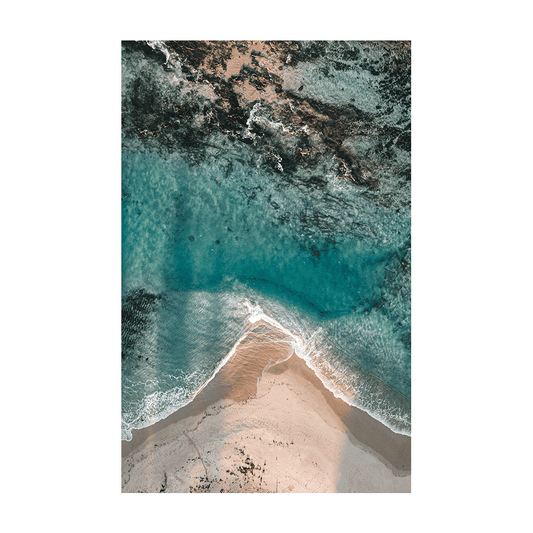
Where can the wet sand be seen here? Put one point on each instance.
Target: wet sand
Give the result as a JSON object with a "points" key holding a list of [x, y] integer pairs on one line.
{"points": [[282, 433]]}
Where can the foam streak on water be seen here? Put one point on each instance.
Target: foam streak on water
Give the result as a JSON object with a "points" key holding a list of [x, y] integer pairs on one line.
{"points": [[349, 383], [343, 383]]}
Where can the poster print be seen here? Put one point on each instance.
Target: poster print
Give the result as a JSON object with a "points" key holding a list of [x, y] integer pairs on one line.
{"points": [[266, 266]]}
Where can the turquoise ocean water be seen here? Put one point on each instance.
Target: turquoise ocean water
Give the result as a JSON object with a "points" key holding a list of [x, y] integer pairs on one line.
{"points": [[210, 246]]}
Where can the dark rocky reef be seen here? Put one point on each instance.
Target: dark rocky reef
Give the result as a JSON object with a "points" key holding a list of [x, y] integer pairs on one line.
{"points": [[240, 90], [137, 309]]}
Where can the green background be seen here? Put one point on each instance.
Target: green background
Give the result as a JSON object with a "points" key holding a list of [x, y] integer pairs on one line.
{"points": [[481, 253]]}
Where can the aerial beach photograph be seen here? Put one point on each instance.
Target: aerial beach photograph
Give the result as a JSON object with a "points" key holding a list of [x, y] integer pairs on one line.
{"points": [[266, 266]]}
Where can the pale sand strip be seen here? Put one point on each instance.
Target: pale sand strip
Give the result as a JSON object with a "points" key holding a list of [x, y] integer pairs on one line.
{"points": [[288, 432]]}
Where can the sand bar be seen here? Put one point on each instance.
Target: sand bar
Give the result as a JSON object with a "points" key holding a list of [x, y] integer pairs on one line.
{"points": [[285, 433]]}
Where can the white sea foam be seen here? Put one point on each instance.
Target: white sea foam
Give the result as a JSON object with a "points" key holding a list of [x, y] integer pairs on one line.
{"points": [[344, 384], [348, 383]]}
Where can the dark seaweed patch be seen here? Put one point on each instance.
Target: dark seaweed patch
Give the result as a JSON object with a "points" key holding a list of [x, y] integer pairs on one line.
{"points": [[137, 308]]}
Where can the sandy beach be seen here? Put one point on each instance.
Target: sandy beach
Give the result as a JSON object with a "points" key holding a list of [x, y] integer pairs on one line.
{"points": [[261, 425]]}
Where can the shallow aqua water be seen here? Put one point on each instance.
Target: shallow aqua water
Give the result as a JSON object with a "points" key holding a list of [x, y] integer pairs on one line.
{"points": [[311, 253]]}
